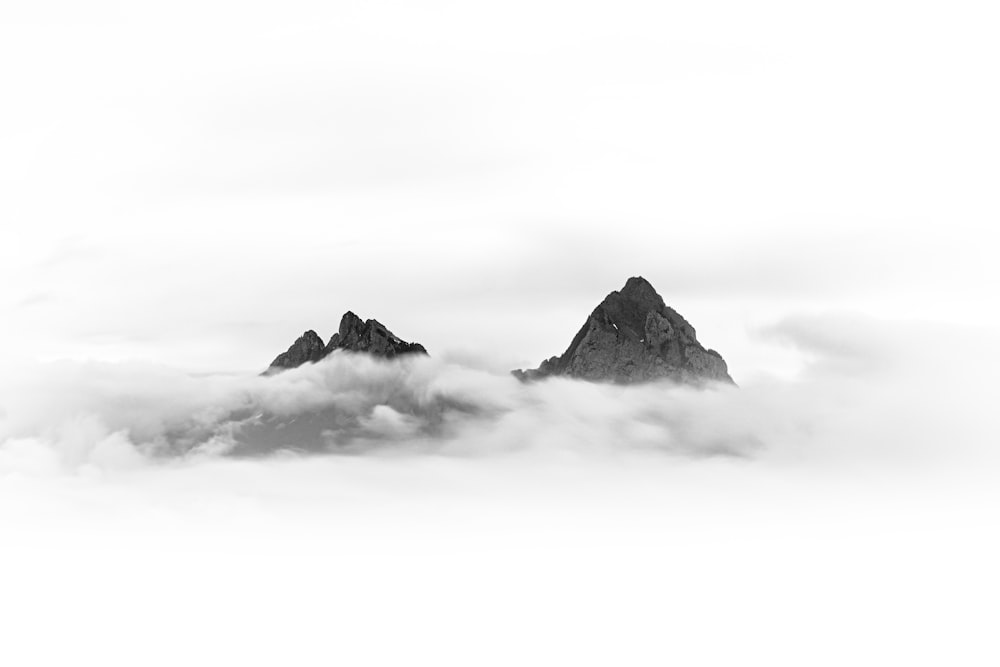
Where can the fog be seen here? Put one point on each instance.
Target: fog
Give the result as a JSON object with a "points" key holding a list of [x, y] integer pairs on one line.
{"points": [[866, 391], [446, 513]]}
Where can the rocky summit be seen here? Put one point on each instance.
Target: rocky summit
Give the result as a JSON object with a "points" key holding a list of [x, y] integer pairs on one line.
{"points": [[354, 335], [633, 336], [308, 348], [369, 336]]}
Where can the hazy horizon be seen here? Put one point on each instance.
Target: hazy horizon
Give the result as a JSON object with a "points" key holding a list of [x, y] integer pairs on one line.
{"points": [[182, 194]]}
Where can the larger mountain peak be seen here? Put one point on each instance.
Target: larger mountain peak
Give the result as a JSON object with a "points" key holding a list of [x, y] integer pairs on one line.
{"points": [[633, 336]]}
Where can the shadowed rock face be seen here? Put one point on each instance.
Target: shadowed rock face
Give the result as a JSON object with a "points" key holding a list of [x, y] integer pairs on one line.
{"points": [[632, 336], [354, 335], [371, 337], [308, 348]]}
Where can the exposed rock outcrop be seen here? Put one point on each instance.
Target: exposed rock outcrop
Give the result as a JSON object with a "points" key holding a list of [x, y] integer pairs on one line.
{"points": [[308, 348], [354, 335], [369, 336], [633, 336]]}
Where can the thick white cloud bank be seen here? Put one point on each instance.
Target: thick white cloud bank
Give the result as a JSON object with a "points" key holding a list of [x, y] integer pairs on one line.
{"points": [[841, 516], [868, 390]]}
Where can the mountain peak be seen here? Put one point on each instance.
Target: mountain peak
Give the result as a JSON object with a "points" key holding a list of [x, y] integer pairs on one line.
{"points": [[633, 336], [353, 335], [638, 287], [348, 322], [307, 348], [371, 336]]}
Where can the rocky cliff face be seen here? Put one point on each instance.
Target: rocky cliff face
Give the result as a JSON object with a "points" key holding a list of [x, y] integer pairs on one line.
{"points": [[354, 335], [633, 336], [369, 336], [308, 348]]}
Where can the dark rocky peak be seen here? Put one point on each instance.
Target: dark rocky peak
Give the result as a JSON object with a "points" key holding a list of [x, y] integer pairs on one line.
{"points": [[628, 310], [354, 335], [306, 349], [369, 336], [633, 336], [638, 290], [349, 333]]}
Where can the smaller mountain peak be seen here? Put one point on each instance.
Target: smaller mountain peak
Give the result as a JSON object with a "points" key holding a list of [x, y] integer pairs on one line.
{"points": [[307, 348], [354, 335]]}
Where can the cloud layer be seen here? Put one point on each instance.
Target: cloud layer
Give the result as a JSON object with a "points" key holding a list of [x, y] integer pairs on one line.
{"points": [[868, 389], [473, 519]]}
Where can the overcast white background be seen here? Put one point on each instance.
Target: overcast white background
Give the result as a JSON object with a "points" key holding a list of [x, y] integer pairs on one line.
{"points": [[186, 187]]}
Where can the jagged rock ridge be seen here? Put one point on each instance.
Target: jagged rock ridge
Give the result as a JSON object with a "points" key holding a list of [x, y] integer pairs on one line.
{"points": [[633, 336], [354, 335], [308, 348]]}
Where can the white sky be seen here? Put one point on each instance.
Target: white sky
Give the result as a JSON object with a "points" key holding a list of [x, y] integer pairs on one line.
{"points": [[197, 183]]}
